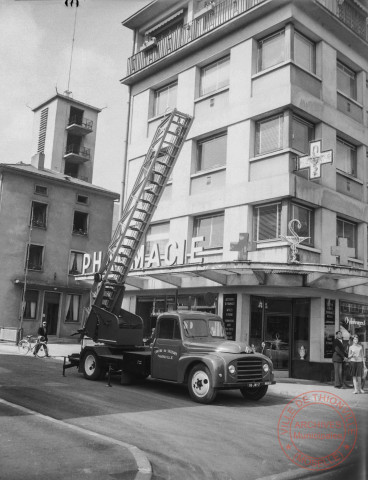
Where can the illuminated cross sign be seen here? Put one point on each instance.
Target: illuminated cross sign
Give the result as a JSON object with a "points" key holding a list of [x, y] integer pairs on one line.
{"points": [[315, 159]]}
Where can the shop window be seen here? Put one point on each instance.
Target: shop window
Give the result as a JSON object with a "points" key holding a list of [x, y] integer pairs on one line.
{"points": [[211, 152], [72, 308], [271, 50], [345, 229], [169, 329], [80, 223], [38, 214], [306, 218], [346, 157], [41, 190], [267, 222], [269, 135], [215, 76], [212, 229], [35, 257], [165, 99], [346, 81], [75, 263], [157, 234], [31, 302], [353, 321], [302, 133], [301, 315], [304, 52]]}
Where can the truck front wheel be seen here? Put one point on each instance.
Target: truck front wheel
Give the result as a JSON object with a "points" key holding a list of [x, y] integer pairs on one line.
{"points": [[92, 369], [200, 384], [254, 393]]}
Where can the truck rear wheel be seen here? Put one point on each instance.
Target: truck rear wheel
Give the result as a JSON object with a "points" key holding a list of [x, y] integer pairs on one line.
{"points": [[254, 393], [92, 369], [200, 384]]}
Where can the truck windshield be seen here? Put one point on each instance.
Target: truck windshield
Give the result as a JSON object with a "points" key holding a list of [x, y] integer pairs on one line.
{"points": [[216, 329], [202, 328]]}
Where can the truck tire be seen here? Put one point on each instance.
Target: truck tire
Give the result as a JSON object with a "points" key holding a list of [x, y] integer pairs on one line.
{"points": [[200, 384], [92, 369], [254, 393]]}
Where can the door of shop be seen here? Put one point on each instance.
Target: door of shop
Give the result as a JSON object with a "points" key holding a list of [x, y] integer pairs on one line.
{"points": [[51, 311], [277, 338]]}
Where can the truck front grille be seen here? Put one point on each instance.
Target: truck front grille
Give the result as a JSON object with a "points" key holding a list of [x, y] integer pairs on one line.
{"points": [[249, 370]]}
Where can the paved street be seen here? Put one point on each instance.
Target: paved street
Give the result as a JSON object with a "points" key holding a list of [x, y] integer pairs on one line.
{"points": [[231, 439]]}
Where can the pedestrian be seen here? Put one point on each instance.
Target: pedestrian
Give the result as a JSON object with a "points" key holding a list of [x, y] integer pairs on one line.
{"points": [[338, 357], [42, 337], [356, 357]]}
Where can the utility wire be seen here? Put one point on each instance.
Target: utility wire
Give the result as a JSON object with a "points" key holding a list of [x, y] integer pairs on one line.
{"points": [[71, 53]]}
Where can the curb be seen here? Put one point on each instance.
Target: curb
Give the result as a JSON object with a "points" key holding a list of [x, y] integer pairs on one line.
{"points": [[143, 464]]}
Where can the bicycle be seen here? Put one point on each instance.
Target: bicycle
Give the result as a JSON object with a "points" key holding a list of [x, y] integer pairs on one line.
{"points": [[29, 343]]}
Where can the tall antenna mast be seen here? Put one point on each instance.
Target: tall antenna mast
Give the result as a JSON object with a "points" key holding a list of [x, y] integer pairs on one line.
{"points": [[68, 92]]}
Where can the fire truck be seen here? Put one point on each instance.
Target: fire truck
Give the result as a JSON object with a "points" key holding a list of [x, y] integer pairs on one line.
{"points": [[188, 347]]}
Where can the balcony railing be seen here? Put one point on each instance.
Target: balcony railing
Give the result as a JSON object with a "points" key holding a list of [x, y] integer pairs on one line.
{"points": [[214, 17], [78, 150], [350, 15], [82, 122]]}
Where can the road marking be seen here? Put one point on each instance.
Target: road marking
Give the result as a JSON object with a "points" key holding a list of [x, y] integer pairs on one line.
{"points": [[143, 464]]}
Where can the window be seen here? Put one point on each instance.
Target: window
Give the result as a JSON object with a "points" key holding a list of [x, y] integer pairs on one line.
{"points": [[41, 190], [267, 222], [211, 228], [38, 214], [82, 199], [346, 80], [169, 329], [157, 234], [72, 308], [302, 133], [71, 169], [346, 158], [306, 218], [80, 223], [269, 134], [271, 51], [347, 230], [35, 257], [215, 76], [165, 99], [31, 301], [211, 152], [75, 263], [304, 52]]}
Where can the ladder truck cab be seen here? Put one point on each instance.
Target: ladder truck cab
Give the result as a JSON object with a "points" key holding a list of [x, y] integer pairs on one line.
{"points": [[188, 347]]}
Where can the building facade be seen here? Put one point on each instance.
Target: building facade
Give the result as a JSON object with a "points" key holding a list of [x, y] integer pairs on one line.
{"points": [[264, 220], [50, 216]]}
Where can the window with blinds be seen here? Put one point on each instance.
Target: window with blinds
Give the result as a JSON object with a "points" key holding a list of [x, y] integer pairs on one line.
{"points": [[211, 228], [215, 76], [267, 222], [271, 50], [269, 134], [42, 131], [346, 158], [346, 80]]}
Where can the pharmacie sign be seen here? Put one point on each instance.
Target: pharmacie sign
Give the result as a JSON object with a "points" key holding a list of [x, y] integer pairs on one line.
{"points": [[174, 254]]}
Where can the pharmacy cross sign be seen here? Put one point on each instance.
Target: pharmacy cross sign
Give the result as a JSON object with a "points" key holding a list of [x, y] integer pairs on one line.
{"points": [[315, 159], [243, 246]]}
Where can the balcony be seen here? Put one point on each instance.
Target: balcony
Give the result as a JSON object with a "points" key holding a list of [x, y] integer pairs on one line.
{"points": [[214, 17], [79, 126], [349, 14], [77, 154]]}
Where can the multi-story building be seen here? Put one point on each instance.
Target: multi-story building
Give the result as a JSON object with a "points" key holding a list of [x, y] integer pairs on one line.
{"points": [[279, 94], [50, 216]]}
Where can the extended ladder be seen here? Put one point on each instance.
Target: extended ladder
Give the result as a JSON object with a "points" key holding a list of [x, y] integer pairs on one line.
{"points": [[108, 288]]}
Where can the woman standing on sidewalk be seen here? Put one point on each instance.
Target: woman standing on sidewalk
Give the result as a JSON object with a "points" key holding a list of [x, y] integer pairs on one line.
{"points": [[356, 357]]}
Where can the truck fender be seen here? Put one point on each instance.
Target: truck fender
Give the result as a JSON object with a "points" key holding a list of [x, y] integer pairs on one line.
{"points": [[215, 364]]}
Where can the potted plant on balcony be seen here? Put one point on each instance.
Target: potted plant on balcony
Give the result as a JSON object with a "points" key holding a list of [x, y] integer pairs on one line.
{"points": [[150, 42]]}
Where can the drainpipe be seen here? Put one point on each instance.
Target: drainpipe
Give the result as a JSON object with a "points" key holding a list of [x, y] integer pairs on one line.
{"points": [[126, 140]]}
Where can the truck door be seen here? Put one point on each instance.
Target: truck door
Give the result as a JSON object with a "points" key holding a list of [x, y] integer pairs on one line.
{"points": [[166, 349]]}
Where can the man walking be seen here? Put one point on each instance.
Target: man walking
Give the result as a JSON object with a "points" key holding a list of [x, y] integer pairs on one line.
{"points": [[338, 357], [42, 337]]}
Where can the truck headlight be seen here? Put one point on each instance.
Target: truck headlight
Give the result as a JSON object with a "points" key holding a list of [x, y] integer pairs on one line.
{"points": [[232, 369], [266, 367]]}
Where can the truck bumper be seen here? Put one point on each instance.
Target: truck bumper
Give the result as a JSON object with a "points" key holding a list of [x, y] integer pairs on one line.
{"points": [[237, 385]]}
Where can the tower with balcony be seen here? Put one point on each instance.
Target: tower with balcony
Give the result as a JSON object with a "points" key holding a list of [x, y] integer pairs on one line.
{"points": [[64, 130]]}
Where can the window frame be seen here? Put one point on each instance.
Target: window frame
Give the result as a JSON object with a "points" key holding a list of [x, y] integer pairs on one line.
{"points": [[27, 308], [71, 262], [257, 218], [199, 153], [353, 160], [258, 137], [79, 195], [37, 191], [308, 242], [311, 132], [347, 71], [71, 305], [312, 59], [160, 238], [80, 231], [216, 64], [156, 94], [36, 223], [355, 232], [36, 268], [196, 228], [260, 50]]}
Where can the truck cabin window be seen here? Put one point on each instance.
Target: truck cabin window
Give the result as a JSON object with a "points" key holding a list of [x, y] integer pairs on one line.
{"points": [[216, 329], [195, 328], [169, 329]]}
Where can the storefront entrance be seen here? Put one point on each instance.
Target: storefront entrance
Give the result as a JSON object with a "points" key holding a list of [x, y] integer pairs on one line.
{"points": [[277, 328]]}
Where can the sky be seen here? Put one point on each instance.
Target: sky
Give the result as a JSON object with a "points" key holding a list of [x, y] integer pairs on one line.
{"points": [[35, 52]]}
